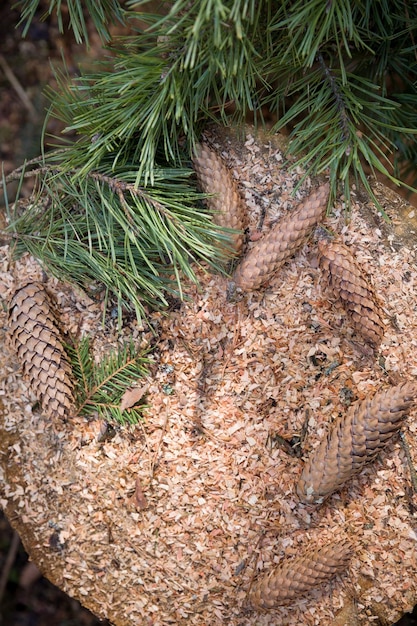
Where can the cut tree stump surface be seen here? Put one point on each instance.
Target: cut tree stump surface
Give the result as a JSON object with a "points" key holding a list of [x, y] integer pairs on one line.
{"points": [[171, 521]]}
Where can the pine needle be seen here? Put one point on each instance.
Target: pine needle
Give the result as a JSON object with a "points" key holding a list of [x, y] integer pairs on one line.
{"points": [[118, 209], [103, 233], [101, 12]]}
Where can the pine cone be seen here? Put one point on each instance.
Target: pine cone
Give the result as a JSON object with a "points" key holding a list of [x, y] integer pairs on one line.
{"points": [[296, 577], [347, 283], [229, 210], [34, 336], [354, 440], [281, 242]]}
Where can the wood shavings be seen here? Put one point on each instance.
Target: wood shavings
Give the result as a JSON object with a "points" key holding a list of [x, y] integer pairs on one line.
{"points": [[220, 489]]}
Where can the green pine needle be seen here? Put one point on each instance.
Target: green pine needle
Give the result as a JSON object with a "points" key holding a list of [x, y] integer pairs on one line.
{"points": [[101, 12], [117, 209], [131, 244], [186, 68], [326, 68], [100, 386]]}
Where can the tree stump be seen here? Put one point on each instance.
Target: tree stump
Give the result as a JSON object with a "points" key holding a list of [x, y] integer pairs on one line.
{"points": [[173, 520]]}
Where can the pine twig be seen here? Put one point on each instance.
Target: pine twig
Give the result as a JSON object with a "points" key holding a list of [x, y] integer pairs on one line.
{"points": [[154, 461], [18, 175], [116, 185], [100, 387], [120, 186], [19, 171], [340, 103]]}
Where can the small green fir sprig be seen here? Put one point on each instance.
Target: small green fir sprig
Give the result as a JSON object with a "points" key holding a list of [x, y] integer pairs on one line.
{"points": [[100, 386]]}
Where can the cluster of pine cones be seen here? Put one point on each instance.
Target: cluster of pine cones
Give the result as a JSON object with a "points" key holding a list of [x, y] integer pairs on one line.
{"points": [[354, 439]]}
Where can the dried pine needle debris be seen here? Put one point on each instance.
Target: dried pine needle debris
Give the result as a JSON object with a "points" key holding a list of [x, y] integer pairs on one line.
{"points": [[229, 209], [35, 338], [348, 284], [354, 440], [294, 578], [281, 242]]}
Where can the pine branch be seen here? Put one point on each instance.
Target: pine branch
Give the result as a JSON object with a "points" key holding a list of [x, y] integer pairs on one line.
{"points": [[305, 28], [100, 387], [102, 13], [338, 98], [363, 51], [304, 59], [340, 126], [136, 242], [122, 209], [174, 77]]}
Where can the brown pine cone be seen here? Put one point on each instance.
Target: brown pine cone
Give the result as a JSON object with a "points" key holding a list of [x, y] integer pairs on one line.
{"points": [[34, 336], [229, 210], [281, 242], [295, 577], [347, 282], [354, 440]]}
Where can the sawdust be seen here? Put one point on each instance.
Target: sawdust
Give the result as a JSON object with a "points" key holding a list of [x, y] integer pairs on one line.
{"points": [[170, 521]]}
